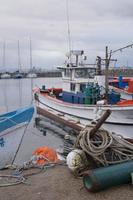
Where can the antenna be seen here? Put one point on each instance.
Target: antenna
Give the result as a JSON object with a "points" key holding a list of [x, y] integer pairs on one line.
{"points": [[68, 27]]}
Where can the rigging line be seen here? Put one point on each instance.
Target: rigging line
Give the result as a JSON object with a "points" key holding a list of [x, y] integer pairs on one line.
{"points": [[68, 26], [25, 130], [120, 49]]}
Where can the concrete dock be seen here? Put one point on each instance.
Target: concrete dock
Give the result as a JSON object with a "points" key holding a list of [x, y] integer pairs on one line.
{"points": [[59, 184]]}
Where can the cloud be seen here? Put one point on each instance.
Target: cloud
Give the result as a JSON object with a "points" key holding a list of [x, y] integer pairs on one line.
{"points": [[93, 25]]}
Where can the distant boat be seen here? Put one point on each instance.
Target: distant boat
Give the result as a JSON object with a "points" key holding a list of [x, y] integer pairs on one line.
{"points": [[5, 76], [18, 75], [12, 128], [31, 75]]}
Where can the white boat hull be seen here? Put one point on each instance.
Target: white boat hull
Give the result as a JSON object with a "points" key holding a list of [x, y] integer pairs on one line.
{"points": [[120, 116], [5, 76], [10, 140], [31, 75]]}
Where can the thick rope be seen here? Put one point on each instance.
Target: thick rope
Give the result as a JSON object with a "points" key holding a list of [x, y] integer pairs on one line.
{"points": [[104, 147]]}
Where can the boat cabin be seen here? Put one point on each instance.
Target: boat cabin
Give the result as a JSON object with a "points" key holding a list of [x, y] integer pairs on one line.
{"points": [[81, 83], [76, 73]]}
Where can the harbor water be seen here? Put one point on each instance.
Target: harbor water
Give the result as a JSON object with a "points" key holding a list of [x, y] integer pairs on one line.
{"points": [[17, 93]]}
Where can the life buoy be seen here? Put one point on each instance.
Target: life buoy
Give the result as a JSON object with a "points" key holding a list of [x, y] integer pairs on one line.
{"points": [[77, 160], [43, 155]]}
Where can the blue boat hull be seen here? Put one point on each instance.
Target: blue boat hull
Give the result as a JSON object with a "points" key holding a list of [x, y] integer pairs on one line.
{"points": [[14, 118], [12, 128]]}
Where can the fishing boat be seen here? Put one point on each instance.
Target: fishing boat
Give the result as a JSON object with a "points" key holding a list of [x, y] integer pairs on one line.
{"points": [[12, 129], [18, 75], [83, 95], [123, 85]]}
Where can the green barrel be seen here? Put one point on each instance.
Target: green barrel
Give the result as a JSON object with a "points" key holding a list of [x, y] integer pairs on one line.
{"points": [[88, 91], [94, 91], [88, 100], [105, 177]]}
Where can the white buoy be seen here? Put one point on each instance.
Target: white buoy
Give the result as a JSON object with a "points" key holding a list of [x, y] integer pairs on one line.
{"points": [[76, 160]]}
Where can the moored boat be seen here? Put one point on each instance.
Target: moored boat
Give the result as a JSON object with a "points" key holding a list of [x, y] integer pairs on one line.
{"points": [[123, 85], [5, 76], [31, 75], [83, 95], [18, 75], [12, 129]]}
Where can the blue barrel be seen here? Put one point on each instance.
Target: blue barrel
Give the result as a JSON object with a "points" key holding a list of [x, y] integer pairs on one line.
{"points": [[120, 78], [113, 97], [68, 97], [105, 177]]}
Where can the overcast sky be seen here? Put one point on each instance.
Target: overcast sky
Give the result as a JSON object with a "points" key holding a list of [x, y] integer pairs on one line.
{"points": [[93, 25]]}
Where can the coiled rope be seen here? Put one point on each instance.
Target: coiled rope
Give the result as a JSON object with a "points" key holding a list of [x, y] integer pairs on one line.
{"points": [[104, 147], [18, 176]]}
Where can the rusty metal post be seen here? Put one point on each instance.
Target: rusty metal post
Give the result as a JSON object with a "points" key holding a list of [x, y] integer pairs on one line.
{"points": [[100, 122]]}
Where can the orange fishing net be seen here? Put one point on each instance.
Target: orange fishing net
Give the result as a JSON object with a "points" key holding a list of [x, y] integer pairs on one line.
{"points": [[45, 155]]}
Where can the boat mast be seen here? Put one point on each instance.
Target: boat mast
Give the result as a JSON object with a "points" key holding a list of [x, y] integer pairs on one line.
{"points": [[106, 71], [31, 70], [68, 28], [19, 62], [30, 55], [4, 48]]}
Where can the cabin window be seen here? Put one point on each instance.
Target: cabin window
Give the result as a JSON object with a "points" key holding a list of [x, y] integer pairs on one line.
{"points": [[85, 73], [72, 86]]}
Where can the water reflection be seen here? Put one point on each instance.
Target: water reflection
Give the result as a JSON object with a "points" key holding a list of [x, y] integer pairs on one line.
{"points": [[16, 93]]}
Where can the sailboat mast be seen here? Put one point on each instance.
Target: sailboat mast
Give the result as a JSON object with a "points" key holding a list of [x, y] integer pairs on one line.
{"points": [[31, 70], [30, 55], [4, 49], [19, 63]]}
